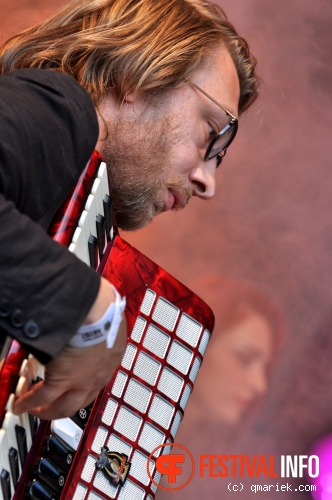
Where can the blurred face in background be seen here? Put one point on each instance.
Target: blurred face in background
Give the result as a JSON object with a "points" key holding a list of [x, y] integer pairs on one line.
{"points": [[234, 372]]}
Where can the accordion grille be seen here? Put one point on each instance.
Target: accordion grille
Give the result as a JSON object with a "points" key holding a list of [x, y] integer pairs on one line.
{"points": [[144, 405]]}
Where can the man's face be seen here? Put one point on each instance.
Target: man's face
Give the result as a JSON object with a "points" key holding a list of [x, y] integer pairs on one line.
{"points": [[155, 150]]}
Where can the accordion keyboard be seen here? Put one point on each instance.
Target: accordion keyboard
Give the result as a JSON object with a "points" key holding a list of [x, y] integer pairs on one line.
{"points": [[95, 225], [17, 432], [141, 408], [89, 241]]}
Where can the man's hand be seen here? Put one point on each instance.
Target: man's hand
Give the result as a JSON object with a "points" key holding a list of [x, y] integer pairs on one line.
{"points": [[74, 378]]}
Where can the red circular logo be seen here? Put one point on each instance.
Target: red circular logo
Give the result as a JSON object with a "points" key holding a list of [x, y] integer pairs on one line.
{"points": [[170, 465]]}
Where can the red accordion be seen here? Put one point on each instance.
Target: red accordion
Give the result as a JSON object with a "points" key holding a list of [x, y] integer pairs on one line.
{"points": [[109, 449]]}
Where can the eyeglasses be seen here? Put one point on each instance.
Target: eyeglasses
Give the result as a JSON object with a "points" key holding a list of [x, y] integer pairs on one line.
{"points": [[219, 144]]}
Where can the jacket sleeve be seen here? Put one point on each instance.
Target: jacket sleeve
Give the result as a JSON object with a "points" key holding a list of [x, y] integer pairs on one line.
{"points": [[48, 130]]}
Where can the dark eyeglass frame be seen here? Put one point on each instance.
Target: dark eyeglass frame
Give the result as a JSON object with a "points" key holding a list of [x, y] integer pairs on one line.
{"points": [[233, 124]]}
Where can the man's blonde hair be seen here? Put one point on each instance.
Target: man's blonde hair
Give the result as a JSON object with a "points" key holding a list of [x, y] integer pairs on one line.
{"points": [[131, 46]]}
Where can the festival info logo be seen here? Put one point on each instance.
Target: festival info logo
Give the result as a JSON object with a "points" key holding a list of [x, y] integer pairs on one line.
{"points": [[176, 465], [177, 468]]}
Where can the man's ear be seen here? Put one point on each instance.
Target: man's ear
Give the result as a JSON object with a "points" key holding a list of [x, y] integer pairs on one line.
{"points": [[134, 98], [129, 98]]}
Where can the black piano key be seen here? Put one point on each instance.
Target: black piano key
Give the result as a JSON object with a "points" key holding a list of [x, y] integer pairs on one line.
{"points": [[13, 462], [21, 443], [93, 251], [107, 205], [34, 421], [49, 472], [82, 416], [36, 380], [101, 236], [38, 490], [5, 484], [33, 425], [58, 451]]}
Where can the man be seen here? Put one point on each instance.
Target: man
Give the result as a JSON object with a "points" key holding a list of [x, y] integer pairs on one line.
{"points": [[168, 79]]}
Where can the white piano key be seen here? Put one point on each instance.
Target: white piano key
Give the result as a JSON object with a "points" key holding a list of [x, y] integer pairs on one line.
{"points": [[84, 224], [24, 370], [25, 381], [81, 247], [36, 369], [90, 207], [23, 385], [72, 247], [102, 175], [97, 192], [68, 431]]}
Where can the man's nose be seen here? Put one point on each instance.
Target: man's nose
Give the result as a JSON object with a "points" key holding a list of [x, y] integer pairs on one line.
{"points": [[203, 179]]}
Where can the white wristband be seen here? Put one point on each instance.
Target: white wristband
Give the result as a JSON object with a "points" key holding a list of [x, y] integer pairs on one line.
{"points": [[104, 329]]}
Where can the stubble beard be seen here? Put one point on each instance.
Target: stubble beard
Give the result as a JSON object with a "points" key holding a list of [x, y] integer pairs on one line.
{"points": [[138, 159]]}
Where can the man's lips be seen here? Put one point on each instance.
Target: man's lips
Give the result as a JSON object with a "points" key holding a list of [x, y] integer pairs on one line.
{"points": [[175, 200]]}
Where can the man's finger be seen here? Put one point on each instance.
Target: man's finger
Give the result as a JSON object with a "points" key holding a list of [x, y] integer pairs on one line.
{"points": [[40, 394], [64, 406]]}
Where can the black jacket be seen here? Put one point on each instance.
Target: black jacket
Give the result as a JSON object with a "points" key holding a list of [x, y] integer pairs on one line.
{"points": [[48, 130]]}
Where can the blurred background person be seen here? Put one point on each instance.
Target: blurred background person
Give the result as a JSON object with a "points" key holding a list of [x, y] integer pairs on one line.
{"points": [[235, 374], [241, 353]]}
